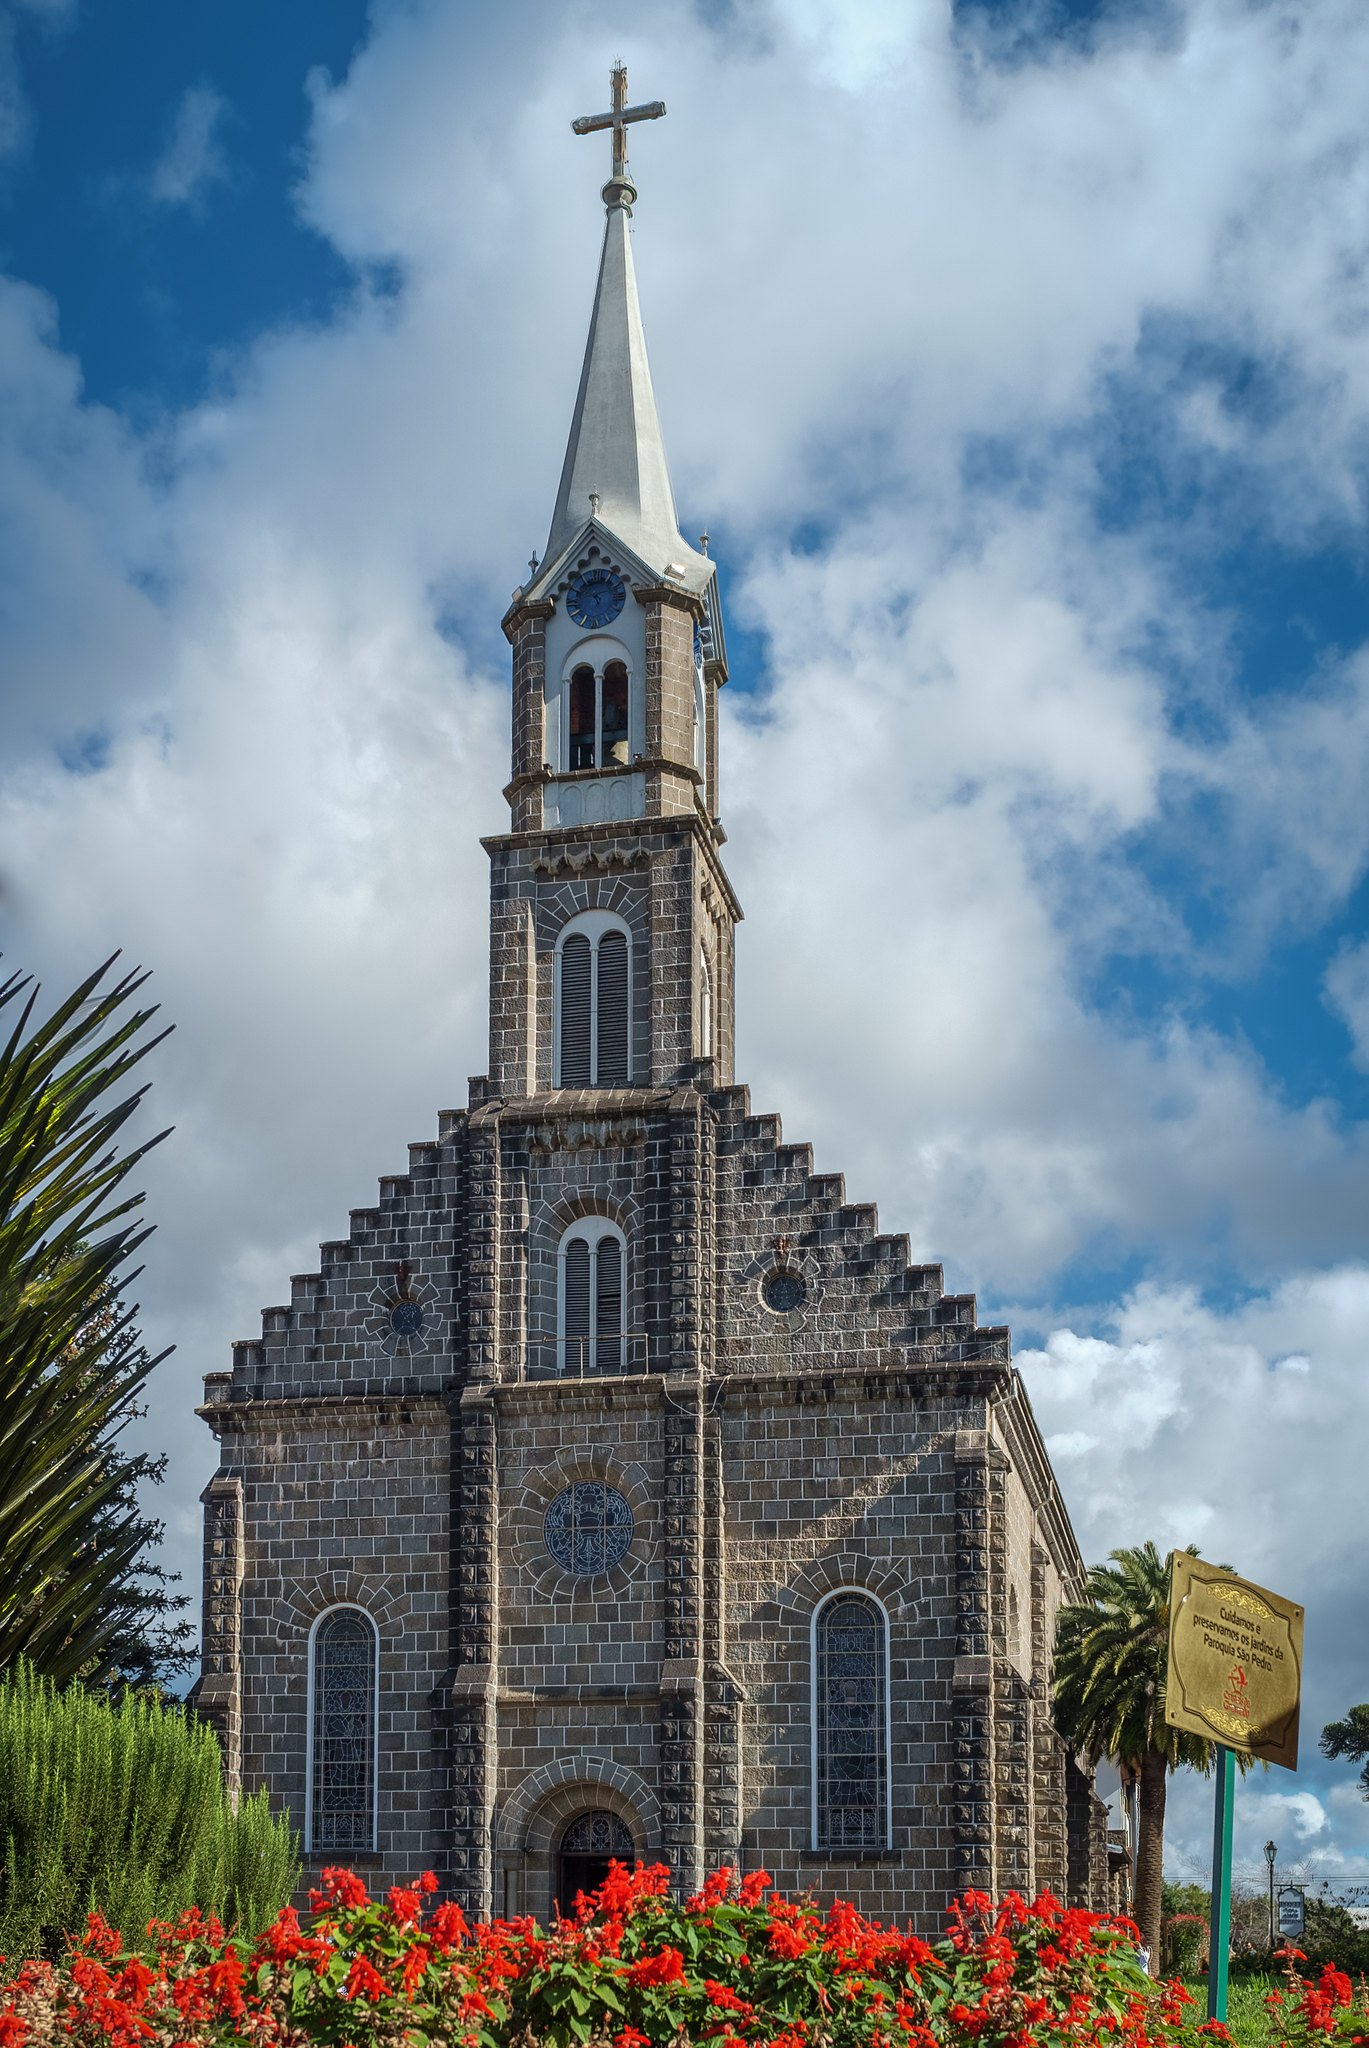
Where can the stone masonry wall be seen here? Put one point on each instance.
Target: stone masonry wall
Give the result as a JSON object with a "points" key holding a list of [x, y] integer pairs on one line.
{"points": [[666, 883], [829, 1483], [346, 1501]]}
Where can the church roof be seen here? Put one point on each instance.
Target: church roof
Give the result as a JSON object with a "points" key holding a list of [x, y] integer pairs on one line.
{"points": [[615, 451]]}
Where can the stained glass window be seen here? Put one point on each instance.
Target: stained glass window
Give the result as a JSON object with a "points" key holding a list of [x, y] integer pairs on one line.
{"points": [[850, 1734], [783, 1290], [586, 1848], [344, 1732], [588, 1528], [598, 1834]]}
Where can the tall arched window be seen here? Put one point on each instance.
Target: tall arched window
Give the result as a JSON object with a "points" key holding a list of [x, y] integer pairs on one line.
{"points": [[705, 1008], [343, 1680], [593, 1003], [591, 1297], [850, 1723], [597, 714]]}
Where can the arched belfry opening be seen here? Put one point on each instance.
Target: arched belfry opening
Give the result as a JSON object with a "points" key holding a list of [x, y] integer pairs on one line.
{"points": [[588, 1844]]}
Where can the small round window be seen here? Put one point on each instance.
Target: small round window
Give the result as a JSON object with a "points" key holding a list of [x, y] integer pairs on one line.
{"points": [[406, 1319], [588, 1528], [783, 1290]]}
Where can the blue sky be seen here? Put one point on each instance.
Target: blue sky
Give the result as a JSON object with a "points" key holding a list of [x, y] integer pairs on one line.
{"points": [[1014, 358]]}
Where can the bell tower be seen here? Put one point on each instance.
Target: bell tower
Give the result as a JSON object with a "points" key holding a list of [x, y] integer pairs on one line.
{"points": [[611, 916]]}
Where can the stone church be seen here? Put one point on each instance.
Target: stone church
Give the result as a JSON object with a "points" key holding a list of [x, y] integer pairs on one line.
{"points": [[616, 1486]]}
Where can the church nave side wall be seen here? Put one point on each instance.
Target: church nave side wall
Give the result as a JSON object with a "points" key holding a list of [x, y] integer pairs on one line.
{"points": [[827, 1486], [347, 1503]]}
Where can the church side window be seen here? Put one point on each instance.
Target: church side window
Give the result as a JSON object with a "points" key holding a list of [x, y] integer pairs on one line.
{"points": [[343, 1667], [592, 1292], [705, 1008], [850, 1724], [597, 725], [594, 1003]]}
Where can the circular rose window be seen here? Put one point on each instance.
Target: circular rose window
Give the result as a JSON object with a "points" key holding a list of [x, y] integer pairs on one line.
{"points": [[588, 1528], [783, 1290]]}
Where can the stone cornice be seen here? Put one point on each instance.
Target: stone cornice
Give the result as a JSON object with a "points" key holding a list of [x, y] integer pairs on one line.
{"points": [[524, 609], [673, 824], [270, 1410], [673, 594], [1013, 1413], [921, 1372], [603, 1390]]}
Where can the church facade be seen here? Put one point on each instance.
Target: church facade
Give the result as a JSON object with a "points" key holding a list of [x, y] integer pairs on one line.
{"points": [[616, 1486]]}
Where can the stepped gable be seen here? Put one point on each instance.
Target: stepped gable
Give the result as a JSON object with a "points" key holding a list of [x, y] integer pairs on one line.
{"points": [[335, 1337], [864, 1303]]}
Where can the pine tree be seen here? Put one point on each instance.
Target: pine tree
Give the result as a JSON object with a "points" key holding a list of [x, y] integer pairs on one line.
{"points": [[1350, 1737]]}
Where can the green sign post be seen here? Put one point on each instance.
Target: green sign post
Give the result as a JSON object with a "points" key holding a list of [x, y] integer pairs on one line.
{"points": [[1234, 1677], [1219, 1927]]}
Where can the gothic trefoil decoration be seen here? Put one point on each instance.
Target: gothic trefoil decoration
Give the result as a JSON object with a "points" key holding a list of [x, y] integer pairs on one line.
{"points": [[616, 1486]]}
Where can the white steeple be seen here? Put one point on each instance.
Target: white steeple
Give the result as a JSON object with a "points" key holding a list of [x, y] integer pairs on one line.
{"points": [[615, 468]]}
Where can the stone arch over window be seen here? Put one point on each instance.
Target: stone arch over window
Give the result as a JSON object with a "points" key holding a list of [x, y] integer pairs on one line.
{"points": [[596, 689], [851, 1788], [341, 1778], [593, 1023], [591, 1297]]}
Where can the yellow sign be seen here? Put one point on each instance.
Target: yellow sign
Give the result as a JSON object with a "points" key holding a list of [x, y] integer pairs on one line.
{"points": [[1235, 1661]]}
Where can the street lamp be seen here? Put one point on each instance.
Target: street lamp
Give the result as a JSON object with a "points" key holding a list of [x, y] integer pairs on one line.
{"points": [[1271, 1850]]}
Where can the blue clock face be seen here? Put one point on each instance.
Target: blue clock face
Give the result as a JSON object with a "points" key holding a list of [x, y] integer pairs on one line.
{"points": [[596, 597]]}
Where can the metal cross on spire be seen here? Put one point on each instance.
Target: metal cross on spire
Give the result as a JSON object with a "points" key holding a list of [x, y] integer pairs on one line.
{"points": [[620, 190]]}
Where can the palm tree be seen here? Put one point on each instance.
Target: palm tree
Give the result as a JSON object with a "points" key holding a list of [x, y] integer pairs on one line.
{"points": [[1111, 1653], [75, 1589]]}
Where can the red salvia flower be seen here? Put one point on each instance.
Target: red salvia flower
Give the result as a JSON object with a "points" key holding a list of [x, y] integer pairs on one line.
{"points": [[364, 1981], [665, 1968]]}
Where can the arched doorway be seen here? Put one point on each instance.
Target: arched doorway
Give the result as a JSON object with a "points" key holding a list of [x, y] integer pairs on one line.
{"points": [[588, 1844]]}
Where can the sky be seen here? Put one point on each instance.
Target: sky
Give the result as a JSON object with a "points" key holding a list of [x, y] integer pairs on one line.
{"points": [[1013, 355]]}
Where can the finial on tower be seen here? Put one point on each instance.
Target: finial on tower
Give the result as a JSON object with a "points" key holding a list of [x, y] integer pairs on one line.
{"points": [[620, 190]]}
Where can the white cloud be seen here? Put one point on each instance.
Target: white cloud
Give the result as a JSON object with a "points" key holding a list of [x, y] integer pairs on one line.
{"points": [[193, 157], [1183, 1425], [1346, 983]]}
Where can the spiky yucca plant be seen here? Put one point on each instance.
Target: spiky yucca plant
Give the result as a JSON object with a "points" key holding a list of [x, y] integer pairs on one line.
{"points": [[72, 1538]]}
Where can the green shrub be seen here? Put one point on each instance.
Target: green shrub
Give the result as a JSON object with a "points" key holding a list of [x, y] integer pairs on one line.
{"points": [[121, 1810]]}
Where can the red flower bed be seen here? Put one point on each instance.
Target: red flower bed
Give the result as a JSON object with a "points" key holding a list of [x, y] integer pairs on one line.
{"points": [[734, 1967]]}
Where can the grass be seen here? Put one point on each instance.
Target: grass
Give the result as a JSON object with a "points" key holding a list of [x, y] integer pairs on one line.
{"points": [[1247, 2015]]}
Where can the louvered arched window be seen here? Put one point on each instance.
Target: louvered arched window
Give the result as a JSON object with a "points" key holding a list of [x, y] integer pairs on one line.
{"points": [[591, 1297], [593, 1003], [851, 1808], [343, 1699]]}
